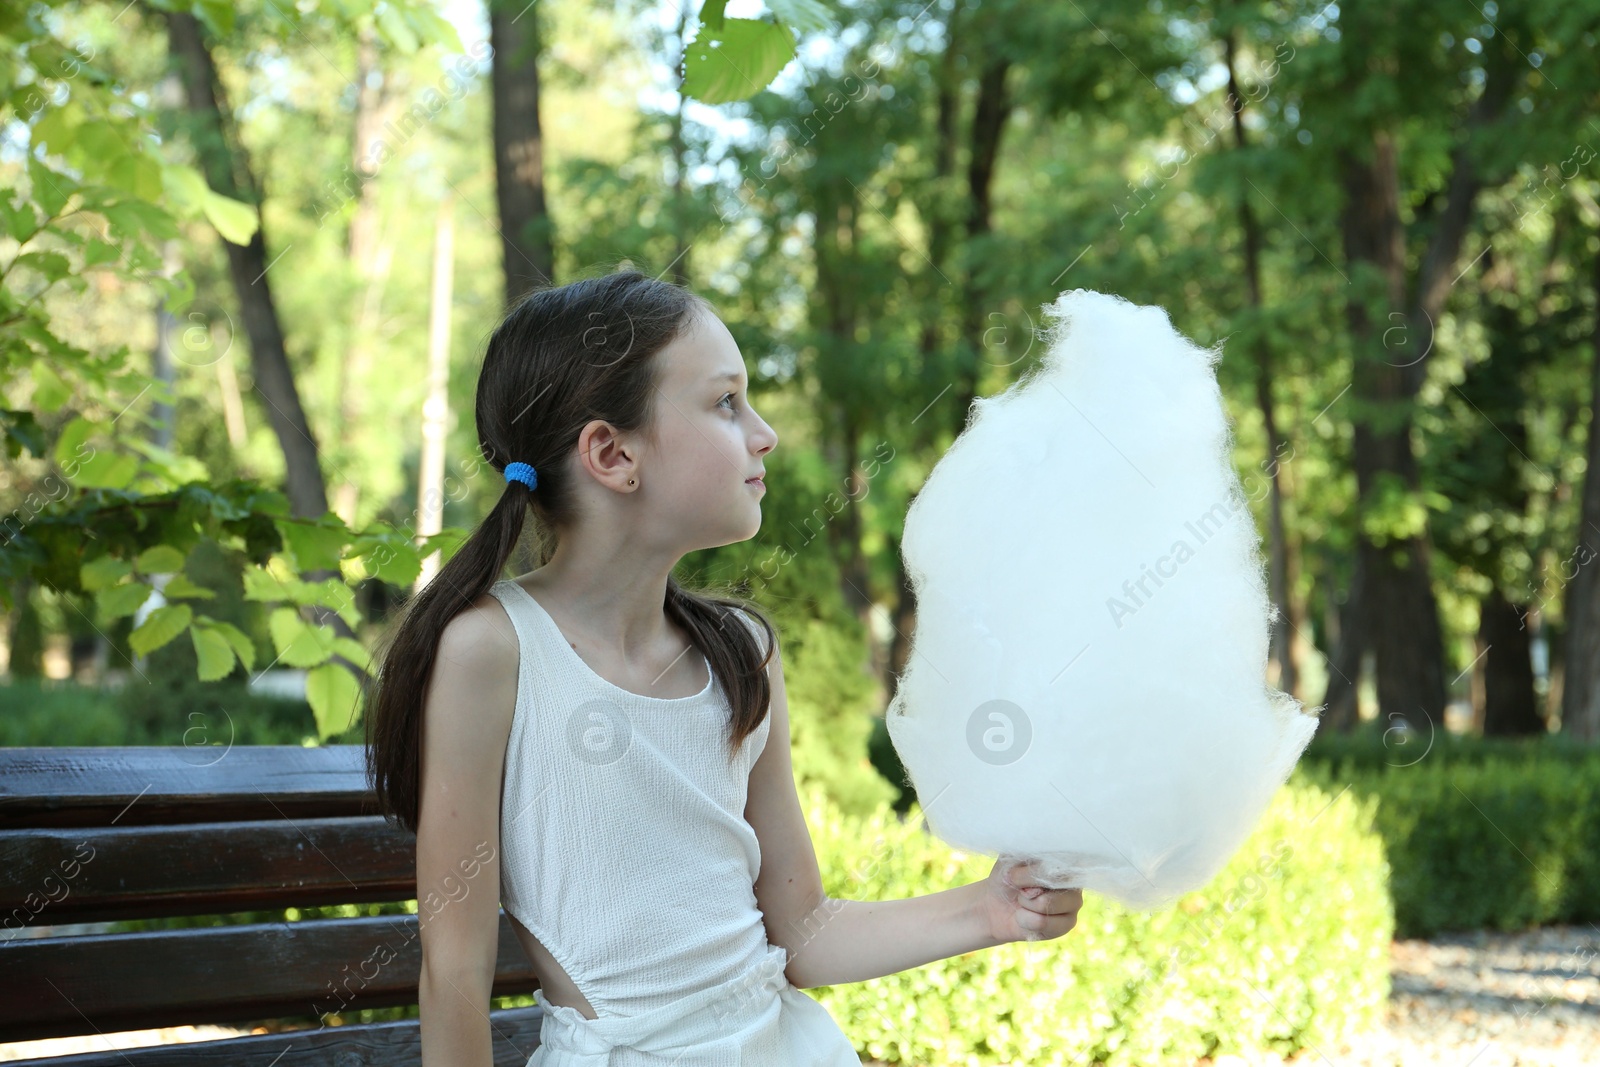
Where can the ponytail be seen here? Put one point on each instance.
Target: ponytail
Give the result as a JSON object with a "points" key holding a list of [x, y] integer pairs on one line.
{"points": [[394, 716]]}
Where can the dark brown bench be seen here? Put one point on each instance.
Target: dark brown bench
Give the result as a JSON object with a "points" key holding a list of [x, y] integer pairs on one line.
{"points": [[89, 835]]}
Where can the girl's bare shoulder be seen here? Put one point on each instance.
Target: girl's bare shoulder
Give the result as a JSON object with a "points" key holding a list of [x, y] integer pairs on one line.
{"points": [[475, 669], [483, 629]]}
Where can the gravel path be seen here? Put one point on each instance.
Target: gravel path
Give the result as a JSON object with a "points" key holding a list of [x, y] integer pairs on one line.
{"points": [[1481, 1000]]}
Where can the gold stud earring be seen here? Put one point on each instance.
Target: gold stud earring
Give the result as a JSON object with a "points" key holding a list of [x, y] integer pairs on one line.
{"points": [[630, 481]]}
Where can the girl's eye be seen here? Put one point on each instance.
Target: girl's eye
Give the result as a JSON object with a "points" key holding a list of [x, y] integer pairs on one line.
{"points": [[726, 396]]}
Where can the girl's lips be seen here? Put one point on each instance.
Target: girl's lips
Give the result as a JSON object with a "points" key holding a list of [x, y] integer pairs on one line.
{"points": [[755, 481]]}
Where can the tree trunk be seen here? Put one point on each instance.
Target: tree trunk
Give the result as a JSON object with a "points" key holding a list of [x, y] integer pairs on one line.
{"points": [[947, 102], [836, 246], [368, 263], [1400, 614], [1341, 710], [525, 227], [1580, 685], [436, 407], [844, 532], [1510, 708], [989, 115], [1282, 649], [228, 172]]}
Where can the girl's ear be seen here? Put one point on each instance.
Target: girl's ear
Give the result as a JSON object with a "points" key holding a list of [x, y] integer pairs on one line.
{"points": [[608, 456]]}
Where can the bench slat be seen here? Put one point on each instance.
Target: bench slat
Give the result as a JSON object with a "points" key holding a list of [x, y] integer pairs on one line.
{"points": [[63, 986], [93, 874], [154, 784], [516, 1035]]}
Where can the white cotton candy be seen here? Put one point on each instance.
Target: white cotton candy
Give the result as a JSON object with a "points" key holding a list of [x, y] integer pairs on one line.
{"points": [[1086, 685]]}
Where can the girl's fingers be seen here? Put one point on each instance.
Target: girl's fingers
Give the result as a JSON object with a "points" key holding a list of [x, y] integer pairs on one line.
{"points": [[1019, 876], [1054, 902]]}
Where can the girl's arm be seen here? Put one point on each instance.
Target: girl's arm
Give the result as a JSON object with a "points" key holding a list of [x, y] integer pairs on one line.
{"points": [[832, 941], [467, 711]]}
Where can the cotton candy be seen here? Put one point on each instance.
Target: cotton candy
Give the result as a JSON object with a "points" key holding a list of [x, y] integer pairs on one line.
{"points": [[1086, 686]]}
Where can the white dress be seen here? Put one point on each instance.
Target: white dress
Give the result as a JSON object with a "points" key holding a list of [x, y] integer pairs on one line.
{"points": [[625, 851]]}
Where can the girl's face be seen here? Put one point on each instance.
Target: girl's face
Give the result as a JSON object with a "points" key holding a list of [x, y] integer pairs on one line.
{"points": [[707, 440]]}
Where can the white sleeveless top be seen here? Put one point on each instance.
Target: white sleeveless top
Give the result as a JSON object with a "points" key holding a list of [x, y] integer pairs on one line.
{"points": [[625, 851]]}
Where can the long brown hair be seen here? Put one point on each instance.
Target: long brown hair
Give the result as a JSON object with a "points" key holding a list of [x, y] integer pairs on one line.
{"points": [[561, 357]]}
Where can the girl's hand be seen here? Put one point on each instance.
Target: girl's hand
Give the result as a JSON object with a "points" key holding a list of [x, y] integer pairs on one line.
{"points": [[1017, 908]]}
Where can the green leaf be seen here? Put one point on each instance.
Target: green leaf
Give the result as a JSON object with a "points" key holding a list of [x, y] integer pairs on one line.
{"points": [[51, 189], [806, 16], [162, 626], [335, 698], [216, 14], [261, 584], [103, 573], [432, 27], [353, 651], [22, 431], [179, 585], [234, 220], [19, 220], [236, 639], [98, 252], [214, 653], [53, 265], [159, 559], [711, 13], [49, 391], [122, 600], [335, 594], [106, 470], [136, 220], [737, 61], [57, 127], [184, 187], [397, 562], [446, 542], [300, 643], [315, 545], [73, 434], [395, 30]]}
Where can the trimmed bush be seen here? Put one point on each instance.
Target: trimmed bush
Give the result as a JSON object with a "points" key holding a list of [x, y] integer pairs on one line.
{"points": [[1495, 840], [178, 711], [1286, 949], [1374, 746]]}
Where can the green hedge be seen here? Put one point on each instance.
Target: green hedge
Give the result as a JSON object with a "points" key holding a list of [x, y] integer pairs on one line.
{"points": [[1492, 841], [41, 712], [1286, 949], [1372, 747]]}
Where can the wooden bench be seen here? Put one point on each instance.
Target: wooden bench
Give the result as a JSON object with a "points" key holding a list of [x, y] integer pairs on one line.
{"points": [[89, 835]]}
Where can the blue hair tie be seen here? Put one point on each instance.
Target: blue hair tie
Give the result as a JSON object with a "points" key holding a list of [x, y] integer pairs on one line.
{"points": [[522, 472]]}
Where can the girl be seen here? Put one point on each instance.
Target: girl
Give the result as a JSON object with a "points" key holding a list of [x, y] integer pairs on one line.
{"points": [[553, 739]]}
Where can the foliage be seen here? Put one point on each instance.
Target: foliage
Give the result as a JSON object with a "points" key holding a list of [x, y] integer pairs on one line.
{"points": [[1286, 949], [830, 716], [184, 711], [1372, 748], [1499, 839], [733, 59], [118, 518]]}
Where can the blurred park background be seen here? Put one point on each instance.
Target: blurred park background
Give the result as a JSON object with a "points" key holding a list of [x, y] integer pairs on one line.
{"points": [[250, 254]]}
